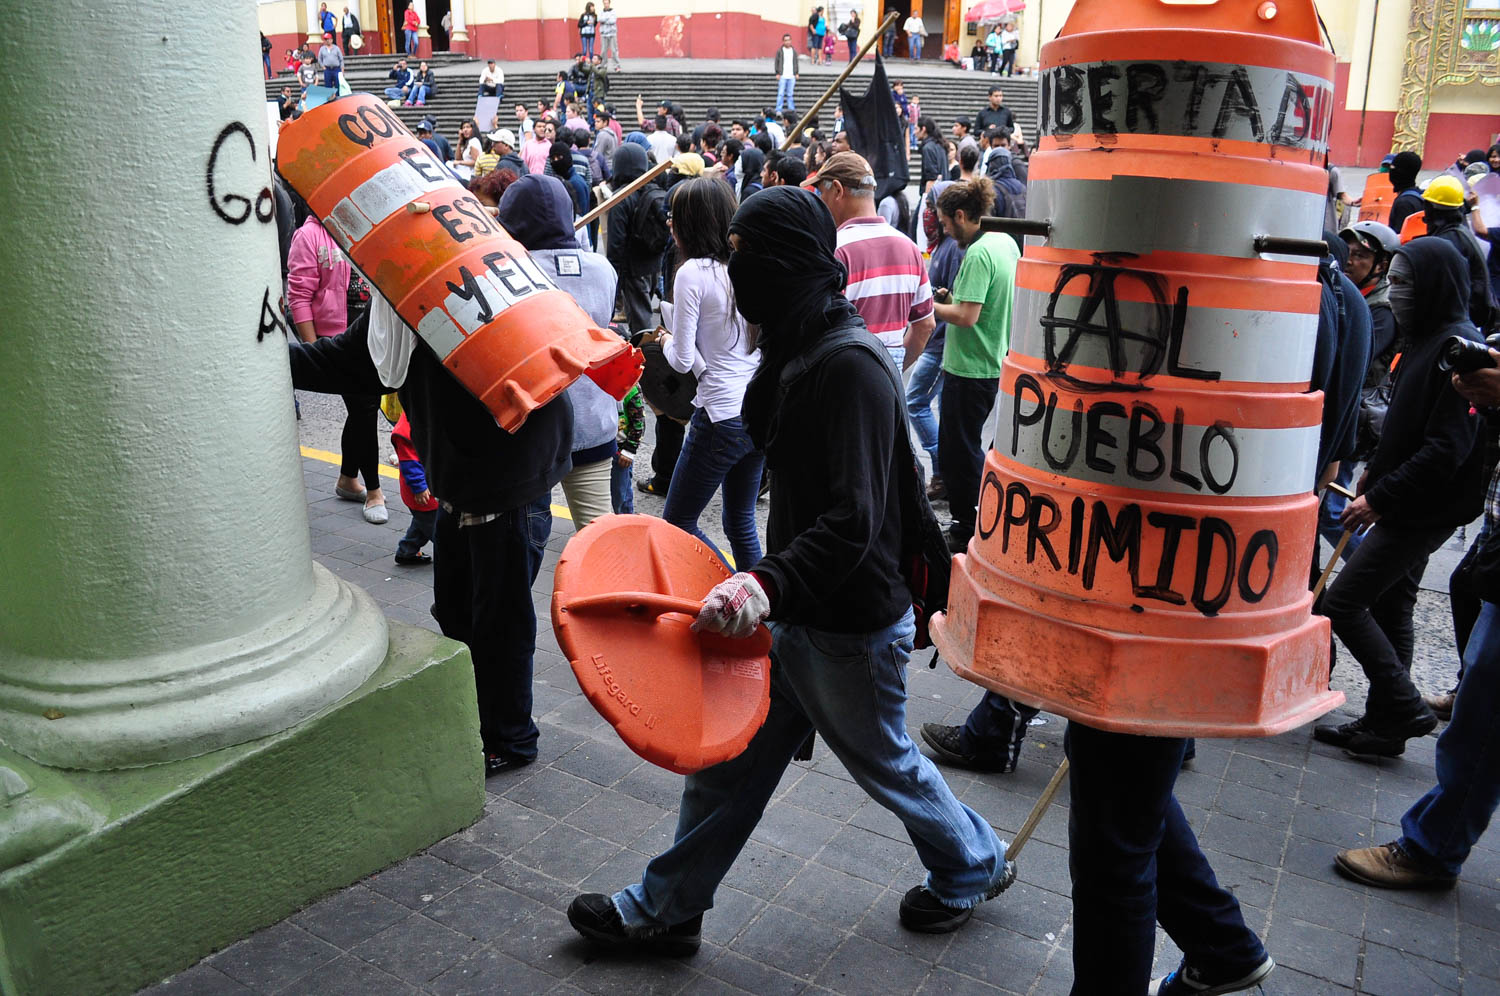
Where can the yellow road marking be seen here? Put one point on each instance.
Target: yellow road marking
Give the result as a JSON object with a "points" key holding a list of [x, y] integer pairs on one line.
{"points": [[323, 456]]}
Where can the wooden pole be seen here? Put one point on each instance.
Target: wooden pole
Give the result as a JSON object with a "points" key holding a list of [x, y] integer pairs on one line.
{"points": [[623, 193], [791, 136], [1037, 812], [1338, 551]]}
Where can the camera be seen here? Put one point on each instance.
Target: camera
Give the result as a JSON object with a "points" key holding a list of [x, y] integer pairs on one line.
{"points": [[1461, 355]]}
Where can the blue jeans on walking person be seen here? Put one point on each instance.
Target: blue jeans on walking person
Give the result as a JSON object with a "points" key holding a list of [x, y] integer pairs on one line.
{"points": [[923, 389], [851, 688], [621, 489], [714, 454], [423, 527], [1135, 863], [1444, 824], [411, 41], [784, 97]]}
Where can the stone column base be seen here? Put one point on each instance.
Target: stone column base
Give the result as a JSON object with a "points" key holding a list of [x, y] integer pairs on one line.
{"points": [[112, 880]]}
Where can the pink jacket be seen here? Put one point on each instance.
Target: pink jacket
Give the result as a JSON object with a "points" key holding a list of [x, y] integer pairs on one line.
{"points": [[317, 280]]}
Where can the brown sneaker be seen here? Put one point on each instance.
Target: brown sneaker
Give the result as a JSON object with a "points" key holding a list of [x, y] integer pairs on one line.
{"points": [[1441, 705], [1390, 867]]}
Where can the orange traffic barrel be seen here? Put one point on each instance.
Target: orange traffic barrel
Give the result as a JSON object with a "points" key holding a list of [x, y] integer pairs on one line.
{"points": [[1146, 520], [453, 274], [1375, 202], [627, 590]]}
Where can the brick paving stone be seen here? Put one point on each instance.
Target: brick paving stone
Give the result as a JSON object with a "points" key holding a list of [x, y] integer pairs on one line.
{"points": [[416, 949], [1314, 949], [273, 958], [943, 982], [1413, 930], [481, 909], [1320, 903], [1389, 972], [838, 898], [490, 972], [615, 816], [864, 968], [753, 976], [200, 980], [995, 956], [348, 976], [552, 792], [418, 881], [349, 916], [798, 945], [568, 854]]}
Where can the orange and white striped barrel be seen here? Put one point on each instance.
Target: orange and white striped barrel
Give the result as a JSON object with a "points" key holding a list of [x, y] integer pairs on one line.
{"points": [[1146, 519], [469, 290]]}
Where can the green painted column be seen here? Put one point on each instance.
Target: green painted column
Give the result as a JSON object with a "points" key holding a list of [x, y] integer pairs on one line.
{"points": [[158, 598], [201, 730]]}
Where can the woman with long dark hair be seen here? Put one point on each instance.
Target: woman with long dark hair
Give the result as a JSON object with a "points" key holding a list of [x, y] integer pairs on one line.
{"points": [[710, 339], [588, 24]]}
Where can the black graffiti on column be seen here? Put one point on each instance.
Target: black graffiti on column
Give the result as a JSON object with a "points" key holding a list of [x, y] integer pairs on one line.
{"points": [[270, 319], [236, 209], [1159, 337]]}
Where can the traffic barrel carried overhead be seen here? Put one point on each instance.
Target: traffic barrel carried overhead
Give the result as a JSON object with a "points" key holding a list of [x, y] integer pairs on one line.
{"points": [[1146, 520], [453, 274], [626, 593]]}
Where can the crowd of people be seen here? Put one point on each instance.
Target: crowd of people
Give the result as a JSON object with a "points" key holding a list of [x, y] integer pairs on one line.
{"points": [[825, 326]]}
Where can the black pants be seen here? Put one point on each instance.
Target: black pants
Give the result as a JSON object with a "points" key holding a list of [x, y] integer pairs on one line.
{"points": [[481, 587], [635, 295], [669, 433], [1135, 863], [1370, 606], [359, 448], [1008, 61], [965, 406]]}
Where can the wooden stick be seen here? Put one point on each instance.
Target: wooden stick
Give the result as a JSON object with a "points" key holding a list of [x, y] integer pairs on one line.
{"points": [[1037, 812], [622, 193], [1338, 551], [791, 136]]}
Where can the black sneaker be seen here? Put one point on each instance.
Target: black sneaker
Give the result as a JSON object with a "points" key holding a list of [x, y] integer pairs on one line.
{"points": [[944, 741], [924, 913], [593, 915], [1340, 735], [1188, 981], [651, 487], [494, 764], [1391, 741]]}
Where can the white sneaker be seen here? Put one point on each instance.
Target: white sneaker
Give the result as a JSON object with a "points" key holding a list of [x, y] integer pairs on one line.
{"points": [[377, 515]]}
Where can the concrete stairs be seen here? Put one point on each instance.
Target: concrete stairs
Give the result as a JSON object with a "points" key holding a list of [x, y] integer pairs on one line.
{"points": [[737, 89]]}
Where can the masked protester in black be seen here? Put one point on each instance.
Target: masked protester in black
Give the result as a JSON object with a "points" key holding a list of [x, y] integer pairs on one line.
{"points": [[826, 406], [1425, 480]]}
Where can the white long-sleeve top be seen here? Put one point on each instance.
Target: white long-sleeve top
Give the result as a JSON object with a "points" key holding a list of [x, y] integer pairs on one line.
{"points": [[491, 77], [709, 338]]}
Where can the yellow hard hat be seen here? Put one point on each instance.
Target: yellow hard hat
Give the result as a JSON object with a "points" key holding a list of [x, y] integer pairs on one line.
{"points": [[1444, 191]]}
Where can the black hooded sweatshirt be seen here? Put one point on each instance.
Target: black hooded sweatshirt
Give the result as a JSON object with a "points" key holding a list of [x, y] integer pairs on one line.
{"points": [[640, 221], [1453, 228], [829, 430], [1428, 470]]}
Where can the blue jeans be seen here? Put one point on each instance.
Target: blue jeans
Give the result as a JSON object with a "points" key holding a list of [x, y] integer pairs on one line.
{"points": [[395, 93], [915, 43], [1135, 863], [888, 45], [418, 534], [784, 98], [587, 47], [851, 688], [411, 41], [1444, 824], [331, 78], [923, 391], [716, 453], [1332, 507], [621, 490], [481, 588], [420, 93]]}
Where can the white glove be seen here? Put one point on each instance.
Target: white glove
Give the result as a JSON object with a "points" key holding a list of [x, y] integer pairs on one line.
{"points": [[734, 607]]}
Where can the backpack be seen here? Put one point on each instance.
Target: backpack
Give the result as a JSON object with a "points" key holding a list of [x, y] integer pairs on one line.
{"points": [[647, 241]]}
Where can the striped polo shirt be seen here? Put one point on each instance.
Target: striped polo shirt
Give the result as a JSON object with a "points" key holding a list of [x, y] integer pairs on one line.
{"points": [[887, 278]]}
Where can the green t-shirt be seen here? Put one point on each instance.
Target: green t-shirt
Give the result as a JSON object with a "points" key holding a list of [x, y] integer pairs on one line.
{"points": [[987, 275]]}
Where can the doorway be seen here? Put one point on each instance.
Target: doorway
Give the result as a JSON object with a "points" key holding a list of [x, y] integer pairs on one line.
{"points": [[436, 11]]}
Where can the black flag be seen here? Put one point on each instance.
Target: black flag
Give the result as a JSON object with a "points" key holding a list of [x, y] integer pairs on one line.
{"points": [[879, 134]]}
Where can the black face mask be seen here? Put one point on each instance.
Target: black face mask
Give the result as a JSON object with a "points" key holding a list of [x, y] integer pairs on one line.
{"points": [[753, 278]]}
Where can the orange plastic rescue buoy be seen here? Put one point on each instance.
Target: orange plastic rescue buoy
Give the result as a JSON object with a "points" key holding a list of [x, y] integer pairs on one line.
{"points": [[1146, 521], [450, 270], [1375, 202], [627, 589]]}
